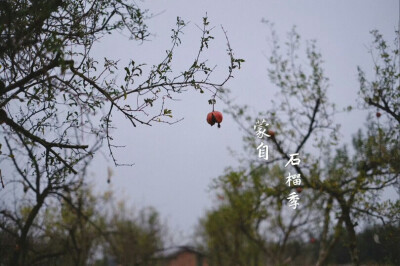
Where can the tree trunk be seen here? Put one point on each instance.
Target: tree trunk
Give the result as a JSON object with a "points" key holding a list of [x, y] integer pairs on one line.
{"points": [[352, 241], [326, 247], [351, 234], [22, 247]]}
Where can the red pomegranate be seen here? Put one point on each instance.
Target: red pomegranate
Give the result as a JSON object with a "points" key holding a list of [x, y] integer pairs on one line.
{"points": [[214, 117], [271, 133], [299, 189], [378, 114]]}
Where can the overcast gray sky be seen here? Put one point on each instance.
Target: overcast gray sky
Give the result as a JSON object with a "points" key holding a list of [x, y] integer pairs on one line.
{"points": [[174, 165]]}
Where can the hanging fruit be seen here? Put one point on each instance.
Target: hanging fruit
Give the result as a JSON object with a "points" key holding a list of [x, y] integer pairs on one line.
{"points": [[214, 117], [271, 133], [378, 114]]}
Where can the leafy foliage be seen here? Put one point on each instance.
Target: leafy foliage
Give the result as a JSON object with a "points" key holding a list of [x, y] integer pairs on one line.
{"points": [[342, 184], [84, 226], [58, 102]]}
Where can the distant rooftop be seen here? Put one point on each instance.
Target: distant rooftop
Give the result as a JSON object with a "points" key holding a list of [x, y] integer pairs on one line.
{"points": [[174, 251]]}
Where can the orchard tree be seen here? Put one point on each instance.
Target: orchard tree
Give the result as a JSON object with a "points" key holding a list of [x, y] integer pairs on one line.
{"points": [[133, 239], [355, 182], [344, 184], [22, 218], [55, 94], [69, 230], [251, 223], [277, 226], [383, 92], [81, 225], [57, 100], [222, 238]]}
